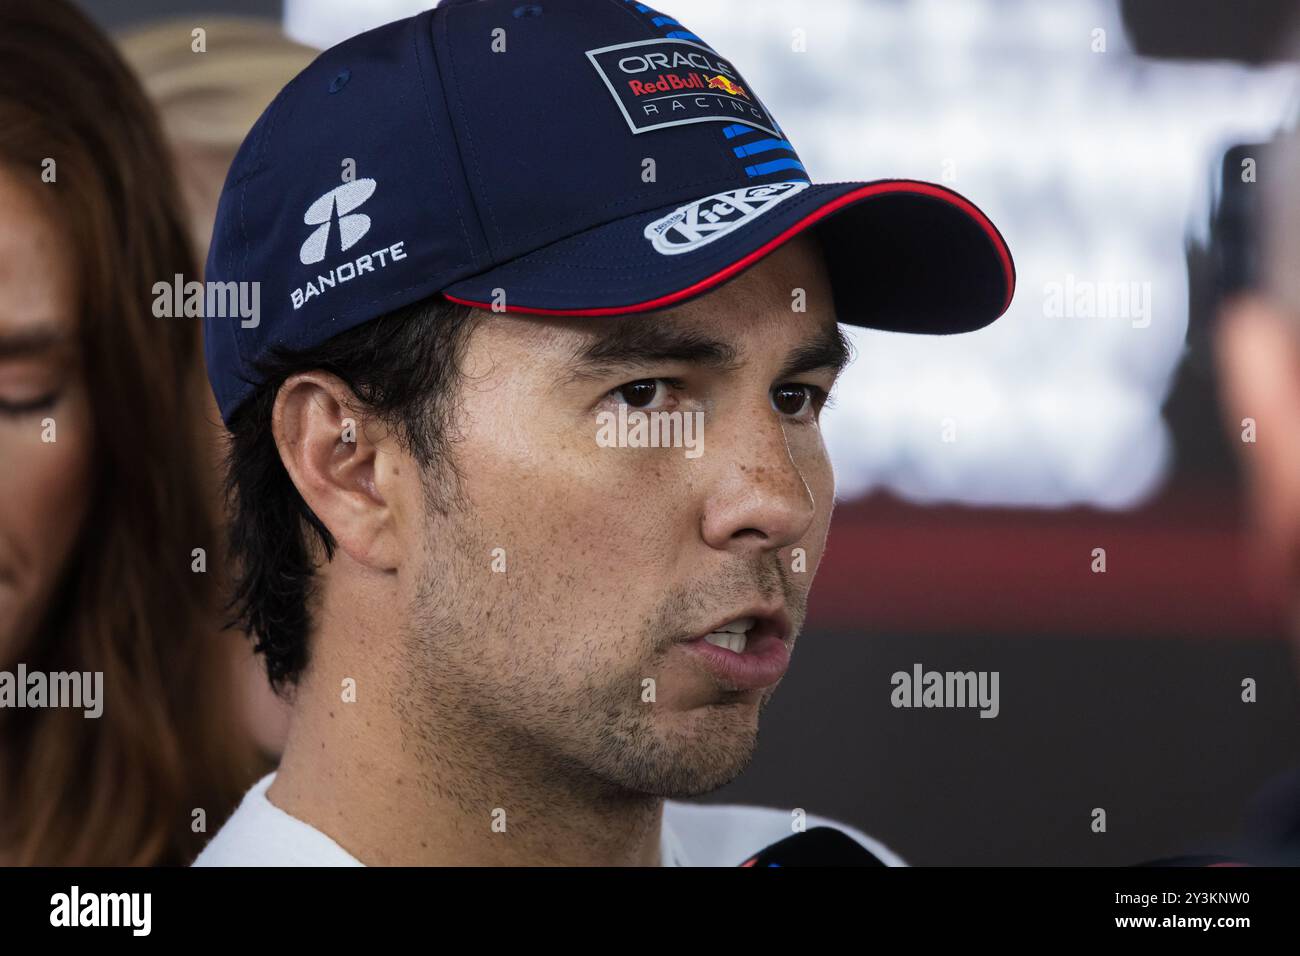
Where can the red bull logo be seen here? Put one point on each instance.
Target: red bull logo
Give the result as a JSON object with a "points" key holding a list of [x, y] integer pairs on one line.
{"points": [[720, 82], [658, 84], [667, 83]]}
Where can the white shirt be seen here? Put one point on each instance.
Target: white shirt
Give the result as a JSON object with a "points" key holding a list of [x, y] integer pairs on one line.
{"points": [[259, 833]]}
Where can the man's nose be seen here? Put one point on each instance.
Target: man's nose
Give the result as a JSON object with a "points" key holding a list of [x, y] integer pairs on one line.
{"points": [[758, 499]]}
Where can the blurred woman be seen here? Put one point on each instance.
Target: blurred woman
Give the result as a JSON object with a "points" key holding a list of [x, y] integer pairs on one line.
{"points": [[104, 524], [207, 104]]}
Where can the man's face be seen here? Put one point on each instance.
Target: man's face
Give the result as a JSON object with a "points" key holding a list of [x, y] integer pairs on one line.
{"points": [[560, 600]]}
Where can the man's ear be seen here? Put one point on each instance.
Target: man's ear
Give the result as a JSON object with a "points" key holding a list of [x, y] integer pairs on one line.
{"points": [[335, 462], [1258, 348]]}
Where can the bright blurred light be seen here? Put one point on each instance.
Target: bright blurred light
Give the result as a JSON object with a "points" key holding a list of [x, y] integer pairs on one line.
{"points": [[1093, 164], [323, 23]]}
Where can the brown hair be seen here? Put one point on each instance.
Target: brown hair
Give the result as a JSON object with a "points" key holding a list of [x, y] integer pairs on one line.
{"points": [[121, 789]]}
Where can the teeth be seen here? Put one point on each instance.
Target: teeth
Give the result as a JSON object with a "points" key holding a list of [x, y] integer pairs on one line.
{"points": [[731, 641], [737, 627]]}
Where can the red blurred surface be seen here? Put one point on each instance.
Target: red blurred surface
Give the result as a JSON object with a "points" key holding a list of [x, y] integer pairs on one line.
{"points": [[1177, 567]]}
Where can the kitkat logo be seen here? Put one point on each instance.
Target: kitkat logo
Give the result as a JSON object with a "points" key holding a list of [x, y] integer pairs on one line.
{"points": [[707, 220]]}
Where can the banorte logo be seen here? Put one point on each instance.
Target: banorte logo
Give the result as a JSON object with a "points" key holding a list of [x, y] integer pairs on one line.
{"points": [[337, 204], [336, 208]]}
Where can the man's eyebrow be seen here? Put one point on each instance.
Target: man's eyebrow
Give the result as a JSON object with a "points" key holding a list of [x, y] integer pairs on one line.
{"points": [[628, 344], [829, 350], [28, 343]]}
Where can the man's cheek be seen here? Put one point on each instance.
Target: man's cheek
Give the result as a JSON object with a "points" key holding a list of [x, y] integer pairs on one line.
{"points": [[800, 564], [820, 479], [804, 558]]}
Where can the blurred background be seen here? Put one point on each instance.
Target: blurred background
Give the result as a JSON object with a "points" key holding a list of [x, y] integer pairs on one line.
{"points": [[978, 474]]}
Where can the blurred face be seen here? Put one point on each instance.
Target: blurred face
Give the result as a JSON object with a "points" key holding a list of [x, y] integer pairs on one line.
{"points": [[603, 611], [1259, 361], [42, 483]]}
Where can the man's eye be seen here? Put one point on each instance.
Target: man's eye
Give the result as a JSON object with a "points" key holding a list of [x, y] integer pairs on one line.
{"points": [[797, 400], [642, 393]]}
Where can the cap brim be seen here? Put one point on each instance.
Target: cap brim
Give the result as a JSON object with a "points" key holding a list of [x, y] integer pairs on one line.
{"points": [[902, 256]]}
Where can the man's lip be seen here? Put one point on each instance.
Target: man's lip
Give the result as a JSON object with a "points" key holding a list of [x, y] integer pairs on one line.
{"points": [[768, 619], [761, 664]]}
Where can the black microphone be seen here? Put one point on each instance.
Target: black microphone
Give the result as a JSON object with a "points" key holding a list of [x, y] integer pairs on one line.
{"points": [[820, 846]]}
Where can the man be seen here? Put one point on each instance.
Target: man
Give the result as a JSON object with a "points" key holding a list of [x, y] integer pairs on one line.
{"points": [[528, 484], [1258, 346]]}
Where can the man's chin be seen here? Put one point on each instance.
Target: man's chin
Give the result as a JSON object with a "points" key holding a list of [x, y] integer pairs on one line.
{"points": [[699, 751]]}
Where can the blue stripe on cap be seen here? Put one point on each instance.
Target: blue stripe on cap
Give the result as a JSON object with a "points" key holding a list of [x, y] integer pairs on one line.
{"points": [[775, 166], [762, 146]]}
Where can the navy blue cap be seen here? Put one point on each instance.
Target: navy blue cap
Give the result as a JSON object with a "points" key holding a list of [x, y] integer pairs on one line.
{"points": [[567, 157]]}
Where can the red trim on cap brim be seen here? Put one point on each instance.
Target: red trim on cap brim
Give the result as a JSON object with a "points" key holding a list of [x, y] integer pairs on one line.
{"points": [[874, 189]]}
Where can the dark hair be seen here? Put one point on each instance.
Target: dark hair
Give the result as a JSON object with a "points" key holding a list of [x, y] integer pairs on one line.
{"points": [[403, 368], [119, 790]]}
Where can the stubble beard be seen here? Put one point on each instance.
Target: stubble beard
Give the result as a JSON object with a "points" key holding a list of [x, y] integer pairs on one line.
{"points": [[501, 719]]}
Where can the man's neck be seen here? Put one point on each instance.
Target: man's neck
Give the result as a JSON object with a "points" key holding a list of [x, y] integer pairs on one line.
{"points": [[393, 797]]}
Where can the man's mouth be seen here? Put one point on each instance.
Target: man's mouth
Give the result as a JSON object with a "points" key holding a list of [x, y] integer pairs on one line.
{"points": [[733, 636], [745, 652], [741, 631]]}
